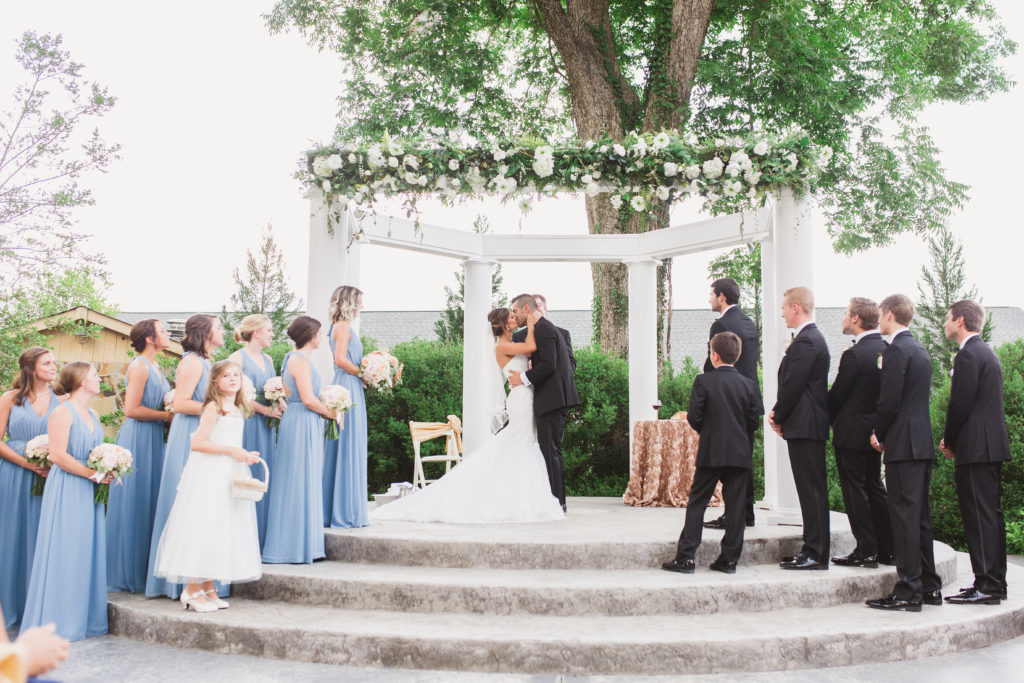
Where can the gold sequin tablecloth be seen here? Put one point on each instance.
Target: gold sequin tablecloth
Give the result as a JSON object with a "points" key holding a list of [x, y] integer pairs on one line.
{"points": [[664, 460]]}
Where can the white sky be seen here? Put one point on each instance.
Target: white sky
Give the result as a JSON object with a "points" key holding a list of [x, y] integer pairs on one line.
{"points": [[213, 113]]}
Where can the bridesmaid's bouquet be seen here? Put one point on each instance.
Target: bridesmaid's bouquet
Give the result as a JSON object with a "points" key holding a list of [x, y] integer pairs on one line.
{"points": [[339, 399], [273, 391], [380, 371], [37, 452], [169, 401], [248, 395], [109, 458]]}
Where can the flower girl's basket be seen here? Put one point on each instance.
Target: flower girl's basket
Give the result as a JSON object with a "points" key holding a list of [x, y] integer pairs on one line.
{"points": [[250, 488]]}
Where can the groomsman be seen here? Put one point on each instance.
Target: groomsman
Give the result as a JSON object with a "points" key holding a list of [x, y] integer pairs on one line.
{"points": [[800, 416], [852, 401], [903, 434], [724, 300], [725, 409], [976, 437]]}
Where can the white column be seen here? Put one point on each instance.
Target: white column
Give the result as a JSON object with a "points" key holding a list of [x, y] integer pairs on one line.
{"points": [[787, 260], [643, 342], [332, 263], [476, 361]]}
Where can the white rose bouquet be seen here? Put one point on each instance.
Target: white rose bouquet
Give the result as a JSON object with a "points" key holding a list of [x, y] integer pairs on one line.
{"points": [[169, 401], [338, 399], [37, 452], [380, 371], [109, 458], [273, 392]]}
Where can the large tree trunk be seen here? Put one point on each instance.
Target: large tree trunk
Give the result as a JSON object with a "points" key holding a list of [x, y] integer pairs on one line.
{"points": [[604, 101]]}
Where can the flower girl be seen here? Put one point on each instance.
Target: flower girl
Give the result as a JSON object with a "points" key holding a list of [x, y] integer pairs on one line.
{"points": [[211, 535]]}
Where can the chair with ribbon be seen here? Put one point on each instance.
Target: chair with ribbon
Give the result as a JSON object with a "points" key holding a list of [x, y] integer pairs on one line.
{"points": [[425, 431]]}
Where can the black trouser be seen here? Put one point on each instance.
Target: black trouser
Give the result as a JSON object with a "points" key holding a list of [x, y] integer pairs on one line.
{"points": [[749, 509], [860, 478], [550, 430], [907, 483], [979, 488], [734, 488], [807, 459]]}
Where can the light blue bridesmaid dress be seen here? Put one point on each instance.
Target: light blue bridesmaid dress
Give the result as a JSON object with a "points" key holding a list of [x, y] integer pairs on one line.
{"points": [[258, 436], [19, 511], [69, 571], [132, 505], [295, 532], [179, 445], [345, 489]]}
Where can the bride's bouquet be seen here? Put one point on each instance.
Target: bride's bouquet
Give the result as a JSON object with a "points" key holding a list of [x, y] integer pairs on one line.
{"points": [[339, 399], [273, 391], [380, 371], [109, 458], [37, 452]]}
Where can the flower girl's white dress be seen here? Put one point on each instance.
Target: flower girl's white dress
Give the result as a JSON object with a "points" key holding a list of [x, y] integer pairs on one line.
{"points": [[210, 534], [504, 480]]}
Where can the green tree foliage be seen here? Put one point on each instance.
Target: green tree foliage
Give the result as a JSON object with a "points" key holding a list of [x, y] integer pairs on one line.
{"points": [[45, 151], [264, 288], [855, 75], [450, 326], [941, 285], [743, 265]]}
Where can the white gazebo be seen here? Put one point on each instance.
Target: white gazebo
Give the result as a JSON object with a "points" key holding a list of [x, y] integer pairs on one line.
{"points": [[783, 228]]}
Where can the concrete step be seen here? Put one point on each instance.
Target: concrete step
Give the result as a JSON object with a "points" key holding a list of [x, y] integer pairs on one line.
{"points": [[791, 638], [599, 533], [567, 592]]}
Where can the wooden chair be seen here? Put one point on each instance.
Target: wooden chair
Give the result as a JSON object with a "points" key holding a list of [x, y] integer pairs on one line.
{"points": [[425, 431]]}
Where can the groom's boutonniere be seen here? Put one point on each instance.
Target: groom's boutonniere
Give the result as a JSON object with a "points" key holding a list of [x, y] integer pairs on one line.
{"points": [[879, 361]]}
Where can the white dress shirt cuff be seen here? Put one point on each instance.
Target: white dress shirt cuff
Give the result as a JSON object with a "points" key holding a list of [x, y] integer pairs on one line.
{"points": [[526, 380]]}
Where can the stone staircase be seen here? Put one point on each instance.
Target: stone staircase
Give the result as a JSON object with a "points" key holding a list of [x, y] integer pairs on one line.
{"points": [[583, 596]]}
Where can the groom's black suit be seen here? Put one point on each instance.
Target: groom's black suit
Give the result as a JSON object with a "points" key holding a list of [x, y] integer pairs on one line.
{"points": [[551, 375]]}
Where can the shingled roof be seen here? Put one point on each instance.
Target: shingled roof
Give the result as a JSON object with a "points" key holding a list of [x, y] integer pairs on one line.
{"points": [[689, 328]]}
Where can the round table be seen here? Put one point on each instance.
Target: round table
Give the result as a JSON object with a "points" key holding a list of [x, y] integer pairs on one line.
{"points": [[663, 463]]}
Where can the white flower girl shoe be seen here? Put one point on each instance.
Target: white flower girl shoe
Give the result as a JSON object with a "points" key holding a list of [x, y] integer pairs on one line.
{"points": [[189, 600], [215, 600]]}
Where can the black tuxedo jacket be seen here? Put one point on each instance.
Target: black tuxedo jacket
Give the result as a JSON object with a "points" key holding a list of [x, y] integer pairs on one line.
{"points": [[725, 408], [802, 404], [903, 422], [975, 423], [520, 336], [552, 369], [853, 398], [739, 323]]}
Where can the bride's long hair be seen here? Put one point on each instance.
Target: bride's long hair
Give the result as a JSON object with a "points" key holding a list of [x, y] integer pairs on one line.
{"points": [[497, 318]]}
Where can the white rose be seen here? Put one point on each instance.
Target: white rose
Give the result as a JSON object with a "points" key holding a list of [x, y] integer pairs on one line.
{"points": [[409, 161], [663, 193], [587, 178], [719, 142], [733, 170], [393, 162], [499, 154], [692, 171], [441, 182], [619, 149], [411, 178], [422, 180], [374, 157], [791, 158], [752, 192], [713, 167], [326, 185], [761, 148], [604, 149], [352, 158], [597, 175], [334, 162], [616, 201], [741, 159], [641, 146], [711, 198], [456, 182], [753, 177], [592, 189], [543, 167], [670, 169], [660, 141], [637, 203], [453, 164], [590, 144], [320, 167]]}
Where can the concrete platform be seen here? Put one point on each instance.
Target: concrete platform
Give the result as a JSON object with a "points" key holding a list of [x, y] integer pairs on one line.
{"points": [[497, 599]]}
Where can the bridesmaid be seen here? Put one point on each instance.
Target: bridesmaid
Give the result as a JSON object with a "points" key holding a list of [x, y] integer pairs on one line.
{"points": [[257, 332], [345, 487], [203, 334], [132, 505], [24, 411], [69, 570], [295, 531]]}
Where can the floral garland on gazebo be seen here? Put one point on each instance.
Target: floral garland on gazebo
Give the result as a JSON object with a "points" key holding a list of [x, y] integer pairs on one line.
{"points": [[729, 173]]}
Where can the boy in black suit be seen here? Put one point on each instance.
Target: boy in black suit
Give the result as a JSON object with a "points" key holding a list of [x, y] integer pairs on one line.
{"points": [[852, 402], [976, 437], [725, 409]]}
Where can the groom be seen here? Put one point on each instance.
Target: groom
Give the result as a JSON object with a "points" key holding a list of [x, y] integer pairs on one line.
{"points": [[554, 389]]}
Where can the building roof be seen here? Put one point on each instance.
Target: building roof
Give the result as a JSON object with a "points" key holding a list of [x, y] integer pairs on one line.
{"points": [[88, 315], [689, 334]]}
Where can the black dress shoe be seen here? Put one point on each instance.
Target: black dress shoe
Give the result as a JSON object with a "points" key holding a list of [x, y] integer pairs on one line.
{"points": [[887, 559], [972, 596], [999, 594], [788, 558], [801, 561], [721, 565], [855, 560], [717, 523], [892, 603], [684, 566], [933, 598], [564, 509]]}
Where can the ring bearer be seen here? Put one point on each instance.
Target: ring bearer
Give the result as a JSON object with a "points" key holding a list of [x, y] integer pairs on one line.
{"points": [[725, 409]]}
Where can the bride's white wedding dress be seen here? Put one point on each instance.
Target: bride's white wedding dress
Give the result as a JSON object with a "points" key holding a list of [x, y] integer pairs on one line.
{"points": [[504, 480]]}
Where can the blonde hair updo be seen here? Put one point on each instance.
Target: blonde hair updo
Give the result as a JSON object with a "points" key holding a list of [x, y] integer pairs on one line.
{"points": [[250, 323]]}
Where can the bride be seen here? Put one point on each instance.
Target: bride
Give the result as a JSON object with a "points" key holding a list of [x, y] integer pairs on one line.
{"points": [[505, 479]]}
